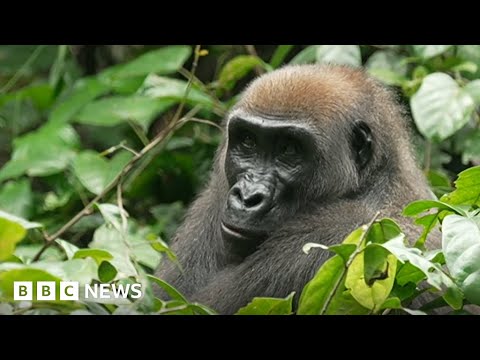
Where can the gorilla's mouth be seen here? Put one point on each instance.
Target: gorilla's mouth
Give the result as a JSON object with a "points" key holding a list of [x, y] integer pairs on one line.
{"points": [[232, 231]]}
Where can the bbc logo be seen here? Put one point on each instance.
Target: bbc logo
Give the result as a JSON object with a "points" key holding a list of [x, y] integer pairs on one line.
{"points": [[69, 290], [23, 290]]}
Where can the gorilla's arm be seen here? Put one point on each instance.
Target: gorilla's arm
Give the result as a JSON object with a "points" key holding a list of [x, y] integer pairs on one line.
{"points": [[280, 266]]}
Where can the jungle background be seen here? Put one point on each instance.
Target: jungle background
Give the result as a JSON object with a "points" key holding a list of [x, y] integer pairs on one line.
{"points": [[103, 147]]}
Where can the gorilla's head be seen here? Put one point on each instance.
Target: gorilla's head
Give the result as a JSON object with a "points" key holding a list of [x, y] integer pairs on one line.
{"points": [[300, 136]]}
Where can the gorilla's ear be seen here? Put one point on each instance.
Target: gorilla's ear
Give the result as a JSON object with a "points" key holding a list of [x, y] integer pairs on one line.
{"points": [[362, 143]]}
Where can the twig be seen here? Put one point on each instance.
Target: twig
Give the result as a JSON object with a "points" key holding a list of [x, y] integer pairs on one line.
{"points": [[357, 251], [120, 206], [427, 156], [203, 121], [13, 80], [50, 239], [251, 50], [139, 132]]}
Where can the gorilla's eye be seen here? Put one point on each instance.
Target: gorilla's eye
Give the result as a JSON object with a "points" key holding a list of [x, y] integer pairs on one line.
{"points": [[289, 148], [247, 140]]}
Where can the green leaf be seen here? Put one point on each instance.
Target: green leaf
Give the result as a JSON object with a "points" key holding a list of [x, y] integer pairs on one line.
{"points": [[279, 55], [169, 289], [268, 306], [461, 247], [108, 238], [339, 54], [40, 94], [84, 91], [96, 254], [440, 107], [467, 189], [28, 251], [409, 273], [471, 150], [316, 293], [429, 51], [236, 69], [392, 303], [162, 61], [106, 272], [381, 269], [162, 247], [17, 198], [382, 231], [10, 234], [26, 224], [112, 215], [68, 248], [7, 278], [473, 89], [81, 270], [435, 276], [95, 172], [388, 67], [420, 206], [328, 284], [43, 152], [116, 110], [165, 88], [306, 56]]}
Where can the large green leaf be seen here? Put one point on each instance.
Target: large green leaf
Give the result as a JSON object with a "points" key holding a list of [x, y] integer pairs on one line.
{"points": [[473, 89], [16, 198], [10, 234], [440, 107], [169, 289], [381, 267], [461, 246], [433, 272], [236, 69], [85, 91], [7, 279], [419, 206], [40, 153], [96, 254], [116, 110], [467, 188], [429, 51], [306, 56], [162, 61], [95, 172], [25, 223], [327, 283], [165, 88], [471, 145], [388, 67], [268, 306], [339, 54], [108, 238], [41, 95]]}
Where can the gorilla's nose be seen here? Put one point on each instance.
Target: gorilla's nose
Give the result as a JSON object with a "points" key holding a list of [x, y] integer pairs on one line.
{"points": [[251, 197]]}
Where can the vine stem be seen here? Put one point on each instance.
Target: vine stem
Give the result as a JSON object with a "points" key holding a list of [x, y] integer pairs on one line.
{"points": [[352, 257], [162, 135]]}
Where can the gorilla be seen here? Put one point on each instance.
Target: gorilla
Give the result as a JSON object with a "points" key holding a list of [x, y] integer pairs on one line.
{"points": [[311, 153]]}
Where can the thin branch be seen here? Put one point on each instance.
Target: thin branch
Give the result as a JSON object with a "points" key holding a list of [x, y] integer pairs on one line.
{"points": [[162, 135], [139, 132], [203, 121], [120, 206], [427, 157], [357, 251]]}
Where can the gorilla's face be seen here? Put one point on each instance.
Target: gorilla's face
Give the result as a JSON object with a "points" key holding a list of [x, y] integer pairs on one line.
{"points": [[268, 164], [275, 167]]}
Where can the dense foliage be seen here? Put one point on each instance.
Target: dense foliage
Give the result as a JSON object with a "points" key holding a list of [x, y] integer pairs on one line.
{"points": [[103, 147]]}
